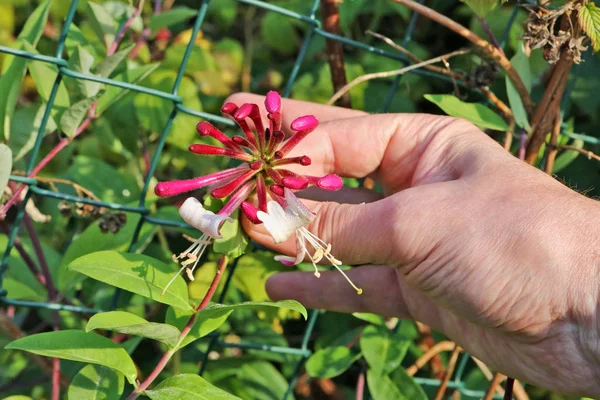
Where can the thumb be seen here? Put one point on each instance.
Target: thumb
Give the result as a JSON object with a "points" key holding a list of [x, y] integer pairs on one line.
{"points": [[386, 231]]}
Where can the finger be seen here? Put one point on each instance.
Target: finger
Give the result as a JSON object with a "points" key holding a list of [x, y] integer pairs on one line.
{"points": [[397, 230], [381, 290], [346, 195], [293, 109]]}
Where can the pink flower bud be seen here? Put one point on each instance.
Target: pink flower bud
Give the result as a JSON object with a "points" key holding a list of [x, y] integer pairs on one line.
{"points": [[330, 182], [305, 123], [250, 212], [273, 102]]}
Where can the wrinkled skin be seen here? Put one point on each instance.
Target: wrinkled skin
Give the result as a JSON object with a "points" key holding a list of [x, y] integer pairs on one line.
{"points": [[490, 251]]}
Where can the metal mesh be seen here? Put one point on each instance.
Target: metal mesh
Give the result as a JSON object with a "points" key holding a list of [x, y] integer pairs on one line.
{"points": [[314, 25]]}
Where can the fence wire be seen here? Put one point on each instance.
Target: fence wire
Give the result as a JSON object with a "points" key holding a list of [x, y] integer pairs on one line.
{"points": [[314, 30]]}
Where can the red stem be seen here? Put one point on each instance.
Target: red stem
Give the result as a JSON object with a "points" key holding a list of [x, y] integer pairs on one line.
{"points": [[360, 386], [113, 48], [488, 31], [39, 252], [162, 363]]}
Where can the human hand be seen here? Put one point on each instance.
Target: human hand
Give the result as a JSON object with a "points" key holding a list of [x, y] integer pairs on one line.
{"points": [[469, 240]]}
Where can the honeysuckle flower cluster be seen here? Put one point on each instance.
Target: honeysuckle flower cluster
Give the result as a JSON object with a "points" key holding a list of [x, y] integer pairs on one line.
{"points": [[262, 186]]}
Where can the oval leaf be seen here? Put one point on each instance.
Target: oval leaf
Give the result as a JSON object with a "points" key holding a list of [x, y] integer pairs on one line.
{"points": [[383, 352], [331, 361], [77, 345], [136, 273], [5, 166], [188, 387], [212, 317], [475, 113], [96, 382], [131, 324], [382, 387]]}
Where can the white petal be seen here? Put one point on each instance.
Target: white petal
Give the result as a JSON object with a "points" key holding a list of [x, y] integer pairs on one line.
{"points": [[280, 223], [205, 221], [296, 207]]}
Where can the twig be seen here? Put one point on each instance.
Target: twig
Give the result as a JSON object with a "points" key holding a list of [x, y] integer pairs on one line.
{"points": [[488, 32], [484, 45], [589, 154], [360, 385], [415, 59], [545, 114], [387, 74], [506, 112], [445, 345], [425, 343], [508, 390], [24, 255], [552, 149], [136, 12], [494, 385], [162, 363], [522, 144], [451, 365], [335, 51]]}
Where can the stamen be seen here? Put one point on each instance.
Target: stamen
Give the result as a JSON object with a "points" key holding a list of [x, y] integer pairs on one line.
{"points": [[193, 254], [189, 274]]}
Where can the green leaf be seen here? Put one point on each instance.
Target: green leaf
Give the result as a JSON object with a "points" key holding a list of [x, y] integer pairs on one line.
{"points": [[136, 273], [81, 60], [278, 33], [476, 113], [13, 68], [234, 241], [93, 239], [96, 382], [262, 381], [20, 283], [407, 385], [77, 345], [74, 115], [172, 17], [212, 317], [131, 324], [34, 27], [383, 351], [109, 64], [113, 93], [566, 157], [331, 361], [371, 318], [589, 18], [382, 387], [44, 75], [103, 23], [153, 113], [520, 62], [25, 126], [5, 166], [187, 387], [482, 7]]}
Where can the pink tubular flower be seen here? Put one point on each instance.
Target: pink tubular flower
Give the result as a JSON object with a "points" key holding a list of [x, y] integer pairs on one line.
{"points": [[261, 175]]}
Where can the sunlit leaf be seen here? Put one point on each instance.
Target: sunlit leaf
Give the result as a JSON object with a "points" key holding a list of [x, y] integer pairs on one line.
{"points": [[383, 351], [5, 166], [136, 273], [476, 113], [79, 346], [131, 324], [589, 18], [96, 382], [188, 387], [172, 17]]}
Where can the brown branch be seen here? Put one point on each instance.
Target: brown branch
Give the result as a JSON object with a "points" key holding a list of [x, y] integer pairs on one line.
{"points": [[546, 112], [488, 48], [552, 149], [335, 52], [508, 391], [494, 385], [387, 74], [426, 342], [445, 345], [589, 154], [451, 364]]}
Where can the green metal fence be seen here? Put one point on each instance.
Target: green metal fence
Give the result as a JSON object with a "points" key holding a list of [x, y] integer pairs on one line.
{"points": [[314, 29]]}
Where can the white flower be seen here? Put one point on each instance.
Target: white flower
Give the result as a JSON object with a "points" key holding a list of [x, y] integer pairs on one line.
{"points": [[281, 223], [205, 221]]}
